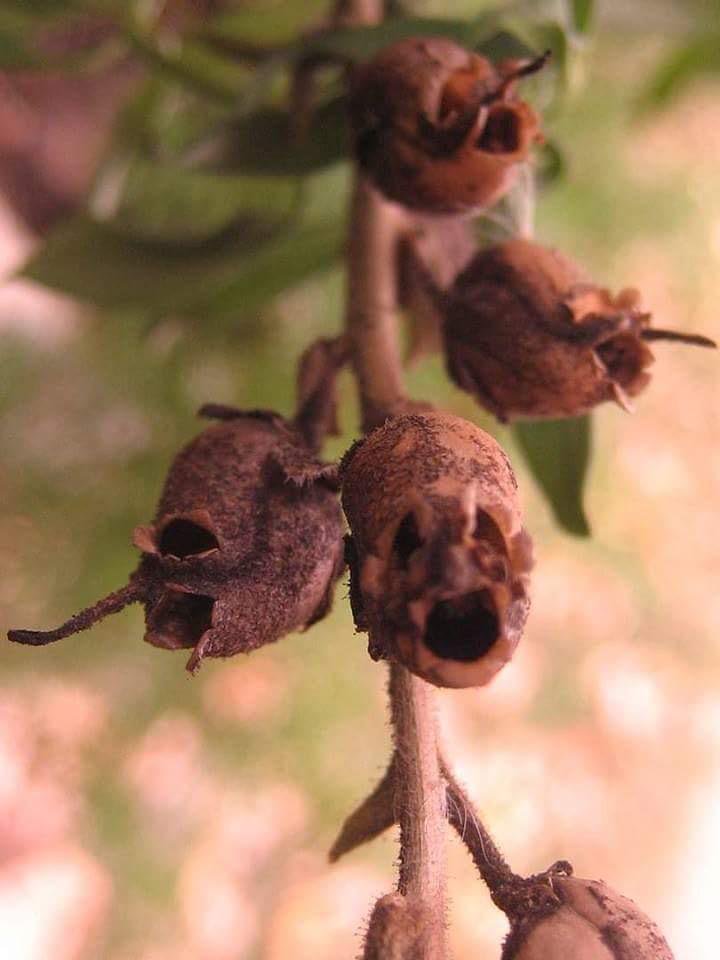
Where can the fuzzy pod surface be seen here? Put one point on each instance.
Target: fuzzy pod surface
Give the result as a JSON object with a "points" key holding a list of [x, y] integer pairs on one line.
{"points": [[246, 544], [440, 129], [589, 922], [438, 556], [529, 335]]}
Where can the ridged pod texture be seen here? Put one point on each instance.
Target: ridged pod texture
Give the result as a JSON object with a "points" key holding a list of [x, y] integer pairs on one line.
{"points": [[592, 922], [529, 335], [438, 556], [438, 128], [246, 545]]}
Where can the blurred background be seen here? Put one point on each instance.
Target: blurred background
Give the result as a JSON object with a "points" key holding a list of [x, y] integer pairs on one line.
{"points": [[145, 815]]}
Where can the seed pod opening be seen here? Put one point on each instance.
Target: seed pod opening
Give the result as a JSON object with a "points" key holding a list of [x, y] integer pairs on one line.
{"points": [[589, 921], [438, 128], [529, 335], [246, 545], [438, 556]]}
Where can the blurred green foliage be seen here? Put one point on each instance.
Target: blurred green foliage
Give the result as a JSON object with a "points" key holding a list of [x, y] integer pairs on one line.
{"points": [[211, 248]]}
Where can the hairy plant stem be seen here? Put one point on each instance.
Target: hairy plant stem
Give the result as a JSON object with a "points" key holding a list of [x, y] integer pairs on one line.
{"points": [[376, 229], [420, 802]]}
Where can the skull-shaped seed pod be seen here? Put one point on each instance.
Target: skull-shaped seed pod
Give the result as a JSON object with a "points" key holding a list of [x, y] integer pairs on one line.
{"points": [[588, 921], [440, 129], [529, 335], [438, 556], [246, 545]]}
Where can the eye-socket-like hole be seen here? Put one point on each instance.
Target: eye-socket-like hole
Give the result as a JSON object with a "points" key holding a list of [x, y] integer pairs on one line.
{"points": [[489, 532], [502, 132], [185, 538], [463, 628], [623, 357], [407, 540], [180, 619]]}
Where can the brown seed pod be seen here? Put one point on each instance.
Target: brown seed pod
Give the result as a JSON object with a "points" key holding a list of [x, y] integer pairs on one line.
{"points": [[438, 128], [529, 335], [438, 556], [587, 921], [245, 547], [399, 929]]}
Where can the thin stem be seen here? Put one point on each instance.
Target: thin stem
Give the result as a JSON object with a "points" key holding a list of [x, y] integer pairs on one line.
{"points": [[376, 228], [420, 802]]}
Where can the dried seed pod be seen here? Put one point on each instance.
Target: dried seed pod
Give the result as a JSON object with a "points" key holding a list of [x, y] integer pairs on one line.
{"points": [[529, 335], [399, 929], [438, 128], [245, 547], [588, 921], [438, 556]]}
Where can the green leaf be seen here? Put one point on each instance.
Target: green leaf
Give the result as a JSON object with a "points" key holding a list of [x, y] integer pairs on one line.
{"points": [[581, 13], [558, 454], [361, 43], [193, 64], [172, 205], [687, 62], [93, 263], [263, 142], [266, 25]]}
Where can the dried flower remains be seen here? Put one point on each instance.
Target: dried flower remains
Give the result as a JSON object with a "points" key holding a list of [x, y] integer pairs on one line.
{"points": [[529, 335], [246, 545], [438, 556], [438, 128]]}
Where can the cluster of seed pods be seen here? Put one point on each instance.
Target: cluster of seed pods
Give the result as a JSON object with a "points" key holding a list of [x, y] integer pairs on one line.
{"points": [[249, 540]]}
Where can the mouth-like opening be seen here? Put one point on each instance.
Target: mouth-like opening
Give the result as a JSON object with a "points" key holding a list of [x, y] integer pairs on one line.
{"points": [[180, 620], [406, 541], [463, 628], [183, 538], [502, 133], [624, 358]]}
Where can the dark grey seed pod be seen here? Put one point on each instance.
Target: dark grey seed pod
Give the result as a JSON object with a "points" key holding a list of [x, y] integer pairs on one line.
{"points": [[529, 335], [245, 547], [438, 556], [438, 128], [590, 921]]}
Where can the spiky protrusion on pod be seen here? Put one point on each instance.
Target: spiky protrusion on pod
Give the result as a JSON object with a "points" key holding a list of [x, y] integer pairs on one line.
{"points": [[440, 129], [529, 335], [246, 545], [438, 556]]}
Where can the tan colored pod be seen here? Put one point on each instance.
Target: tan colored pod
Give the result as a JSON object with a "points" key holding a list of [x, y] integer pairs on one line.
{"points": [[591, 922], [438, 128], [438, 556], [530, 335]]}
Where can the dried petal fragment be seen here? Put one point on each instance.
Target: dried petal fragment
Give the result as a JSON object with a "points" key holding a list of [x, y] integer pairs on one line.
{"points": [[529, 335], [438, 558], [438, 128], [245, 547]]}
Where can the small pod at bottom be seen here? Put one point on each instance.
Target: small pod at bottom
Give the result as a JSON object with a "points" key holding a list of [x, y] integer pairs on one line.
{"points": [[589, 921], [246, 545], [438, 556]]}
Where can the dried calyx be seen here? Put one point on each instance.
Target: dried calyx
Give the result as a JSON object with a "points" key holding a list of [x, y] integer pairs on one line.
{"points": [[245, 547], [530, 336], [438, 556], [438, 128]]}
